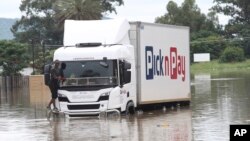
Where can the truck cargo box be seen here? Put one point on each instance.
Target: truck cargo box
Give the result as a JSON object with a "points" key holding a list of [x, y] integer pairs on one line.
{"points": [[162, 62]]}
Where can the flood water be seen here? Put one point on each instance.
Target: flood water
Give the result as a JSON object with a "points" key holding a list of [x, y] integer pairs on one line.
{"points": [[218, 100]]}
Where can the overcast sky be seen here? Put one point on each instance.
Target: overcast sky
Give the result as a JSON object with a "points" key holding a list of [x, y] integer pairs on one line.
{"points": [[133, 10]]}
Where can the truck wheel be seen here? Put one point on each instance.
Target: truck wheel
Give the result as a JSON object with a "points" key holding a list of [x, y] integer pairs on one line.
{"points": [[130, 109]]}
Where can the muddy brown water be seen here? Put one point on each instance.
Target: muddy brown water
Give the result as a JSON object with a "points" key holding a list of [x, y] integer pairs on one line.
{"points": [[218, 100]]}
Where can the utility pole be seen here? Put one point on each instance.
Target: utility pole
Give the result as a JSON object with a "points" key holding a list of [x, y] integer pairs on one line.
{"points": [[43, 45], [33, 55]]}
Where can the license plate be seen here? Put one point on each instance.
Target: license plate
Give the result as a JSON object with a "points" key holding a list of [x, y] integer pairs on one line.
{"points": [[82, 96]]}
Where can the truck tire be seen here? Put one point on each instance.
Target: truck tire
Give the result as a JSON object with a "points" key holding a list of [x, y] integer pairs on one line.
{"points": [[130, 108]]}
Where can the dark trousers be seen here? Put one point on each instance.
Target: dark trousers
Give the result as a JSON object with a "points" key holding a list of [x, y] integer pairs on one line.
{"points": [[53, 89]]}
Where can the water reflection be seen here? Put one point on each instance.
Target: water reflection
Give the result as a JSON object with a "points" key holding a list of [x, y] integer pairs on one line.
{"points": [[225, 103], [173, 125], [202, 84], [176, 125], [23, 117]]}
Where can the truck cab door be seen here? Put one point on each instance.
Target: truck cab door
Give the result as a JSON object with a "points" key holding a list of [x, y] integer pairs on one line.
{"points": [[125, 85]]}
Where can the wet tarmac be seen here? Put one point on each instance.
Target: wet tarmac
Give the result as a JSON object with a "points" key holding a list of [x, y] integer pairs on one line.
{"points": [[218, 100]]}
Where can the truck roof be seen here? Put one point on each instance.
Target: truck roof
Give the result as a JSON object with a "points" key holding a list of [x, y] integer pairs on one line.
{"points": [[110, 31], [93, 53]]}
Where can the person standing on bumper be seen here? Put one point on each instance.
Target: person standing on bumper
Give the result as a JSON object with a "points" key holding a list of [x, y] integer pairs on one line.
{"points": [[54, 83]]}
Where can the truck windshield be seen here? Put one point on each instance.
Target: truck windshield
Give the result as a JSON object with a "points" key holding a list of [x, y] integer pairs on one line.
{"points": [[87, 73]]}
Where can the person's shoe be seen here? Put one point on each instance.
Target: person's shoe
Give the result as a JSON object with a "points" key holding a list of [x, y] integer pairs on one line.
{"points": [[48, 108], [55, 110]]}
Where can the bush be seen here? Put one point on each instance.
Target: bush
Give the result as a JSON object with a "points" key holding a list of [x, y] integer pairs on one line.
{"points": [[214, 45], [232, 54], [13, 57]]}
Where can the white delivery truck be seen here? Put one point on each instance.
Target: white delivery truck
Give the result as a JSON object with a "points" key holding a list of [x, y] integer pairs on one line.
{"points": [[117, 65]]}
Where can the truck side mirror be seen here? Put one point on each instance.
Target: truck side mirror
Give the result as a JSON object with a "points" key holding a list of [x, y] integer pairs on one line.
{"points": [[127, 65], [127, 76]]}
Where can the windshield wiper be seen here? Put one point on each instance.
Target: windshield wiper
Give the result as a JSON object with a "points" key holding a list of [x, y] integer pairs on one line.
{"points": [[88, 44]]}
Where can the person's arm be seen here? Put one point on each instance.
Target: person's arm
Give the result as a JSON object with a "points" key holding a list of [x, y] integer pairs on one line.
{"points": [[62, 75], [54, 75]]}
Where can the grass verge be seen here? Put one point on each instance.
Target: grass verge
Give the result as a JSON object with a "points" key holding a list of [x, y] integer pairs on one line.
{"points": [[214, 66]]}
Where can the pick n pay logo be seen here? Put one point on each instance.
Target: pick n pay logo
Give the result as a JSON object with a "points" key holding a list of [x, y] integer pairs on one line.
{"points": [[172, 66]]}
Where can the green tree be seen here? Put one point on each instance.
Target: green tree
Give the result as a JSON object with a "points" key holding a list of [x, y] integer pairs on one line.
{"points": [[238, 10], [39, 22], [77, 10], [39, 61], [109, 5], [239, 25], [13, 57], [213, 44], [205, 29], [189, 14]]}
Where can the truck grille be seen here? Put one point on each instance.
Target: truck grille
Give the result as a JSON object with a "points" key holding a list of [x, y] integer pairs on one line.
{"points": [[83, 107]]}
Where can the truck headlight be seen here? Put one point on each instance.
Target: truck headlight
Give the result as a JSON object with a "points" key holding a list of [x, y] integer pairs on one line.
{"points": [[61, 95], [62, 98], [105, 94]]}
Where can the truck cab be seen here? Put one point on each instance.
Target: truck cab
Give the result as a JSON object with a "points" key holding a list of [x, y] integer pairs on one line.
{"points": [[97, 79]]}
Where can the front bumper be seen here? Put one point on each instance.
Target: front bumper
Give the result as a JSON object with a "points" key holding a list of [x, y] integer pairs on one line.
{"points": [[90, 108]]}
